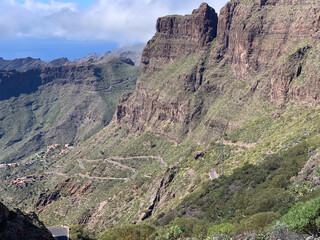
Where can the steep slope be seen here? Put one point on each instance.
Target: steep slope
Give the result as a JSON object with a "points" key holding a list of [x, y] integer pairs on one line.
{"points": [[201, 90], [277, 37], [59, 105], [216, 96], [17, 225]]}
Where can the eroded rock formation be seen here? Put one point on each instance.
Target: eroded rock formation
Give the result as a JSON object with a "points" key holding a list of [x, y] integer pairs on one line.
{"points": [[177, 36], [18, 225]]}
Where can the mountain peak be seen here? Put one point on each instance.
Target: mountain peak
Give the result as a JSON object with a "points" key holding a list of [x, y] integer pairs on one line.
{"points": [[177, 36], [204, 7]]}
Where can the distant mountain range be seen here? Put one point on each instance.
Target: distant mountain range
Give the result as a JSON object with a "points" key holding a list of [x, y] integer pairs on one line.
{"points": [[133, 52], [24, 64]]}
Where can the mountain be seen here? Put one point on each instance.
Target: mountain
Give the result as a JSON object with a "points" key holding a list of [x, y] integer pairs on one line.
{"points": [[18, 225], [59, 105], [24, 64], [133, 52], [219, 139]]}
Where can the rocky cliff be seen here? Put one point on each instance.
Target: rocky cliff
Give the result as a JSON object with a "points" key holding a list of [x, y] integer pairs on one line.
{"points": [[266, 47], [178, 36], [275, 37], [18, 225]]}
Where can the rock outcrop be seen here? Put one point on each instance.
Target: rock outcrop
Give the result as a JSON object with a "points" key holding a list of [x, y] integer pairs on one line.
{"points": [[178, 36], [50, 196], [257, 37], [18, 225]]}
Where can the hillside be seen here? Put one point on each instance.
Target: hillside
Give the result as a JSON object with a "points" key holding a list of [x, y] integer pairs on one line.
{"points": [[220, 137], [18, 225], [59, 105]]}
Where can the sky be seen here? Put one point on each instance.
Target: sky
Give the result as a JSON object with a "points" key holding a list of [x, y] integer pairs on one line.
{"points": [[50, 29]]}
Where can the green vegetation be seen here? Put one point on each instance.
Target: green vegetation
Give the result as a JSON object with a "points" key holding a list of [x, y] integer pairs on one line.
{"points": [[254, 195], [79, 233], [223, 228], [258, 222], [305, 217], [144, 168], [128, 232], [67, 110]]}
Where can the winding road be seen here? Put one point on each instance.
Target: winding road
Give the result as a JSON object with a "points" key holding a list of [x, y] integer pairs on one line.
{"points": [[80, 161], [103, 178], [141, 157], [60, 232]]}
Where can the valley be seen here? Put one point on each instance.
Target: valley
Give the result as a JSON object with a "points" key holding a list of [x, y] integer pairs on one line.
{"points": [[215, 136]]}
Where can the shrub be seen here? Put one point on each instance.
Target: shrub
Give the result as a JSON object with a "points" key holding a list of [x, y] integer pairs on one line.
{"points": [[193, 227], [224, 228], [258, 221], [79, 233], [305, 217], [175, 232], [128, 232]]}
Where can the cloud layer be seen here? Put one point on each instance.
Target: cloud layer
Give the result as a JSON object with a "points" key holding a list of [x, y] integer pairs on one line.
{"points": [[120, 21]]}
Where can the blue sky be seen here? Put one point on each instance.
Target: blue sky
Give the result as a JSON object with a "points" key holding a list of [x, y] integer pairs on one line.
{"points": [[81, 4], [50, 29]]}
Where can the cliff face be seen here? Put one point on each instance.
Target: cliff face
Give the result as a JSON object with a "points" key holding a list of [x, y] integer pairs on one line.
{"points": [[13, 83], [17, 225], [268, 45], [254, 37], [178, 36]]}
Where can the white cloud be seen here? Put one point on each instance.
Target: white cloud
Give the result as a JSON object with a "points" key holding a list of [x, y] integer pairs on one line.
{"points": [[114, 20]]}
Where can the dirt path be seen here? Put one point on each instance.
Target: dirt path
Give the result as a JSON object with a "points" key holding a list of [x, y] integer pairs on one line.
{"points": [[127, 158], [56, 173], [103, 178], [80, 163], [141, 157], [239, 144], [114, 163]]}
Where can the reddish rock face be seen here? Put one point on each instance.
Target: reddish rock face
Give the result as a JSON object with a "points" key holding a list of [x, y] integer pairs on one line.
{"points": [[178, 36], [254, 37]]}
